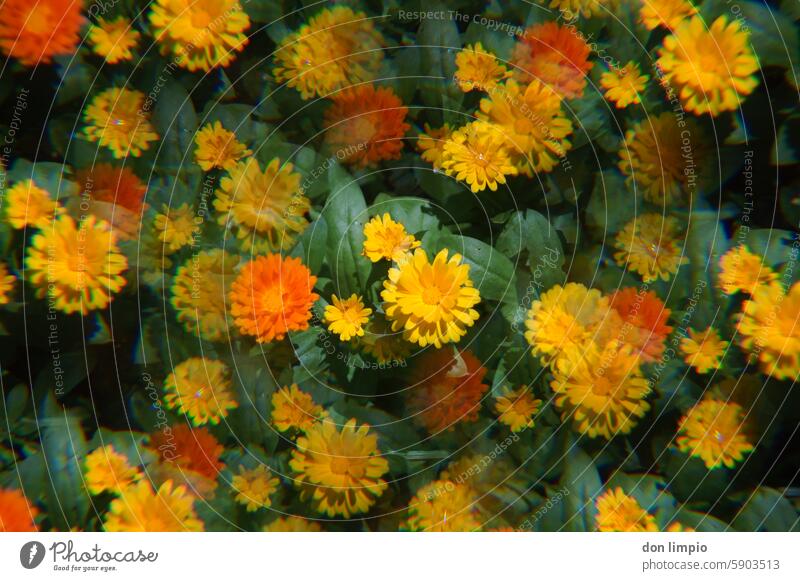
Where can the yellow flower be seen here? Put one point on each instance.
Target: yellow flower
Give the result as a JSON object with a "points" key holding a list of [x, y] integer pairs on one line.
{"points": [[624, 86], [218, 147], [200, 388], [741, 270], [711, 69], [30, 205], [648, 245], [382, 343], [114, 39], [7, 281], [431, 144], [292, 524], [200, 34], [346, 318], [199, 290], [531, 122], [516, 408], [769, 327], [478, 155], [385, 239], [677, 527], [107, 469], [712, 431], [619, 513], [570, 9], [255, 487], [478, 69], [140, 509], [176, 227], [293, 408], [339, 470], [601, 388], [267, 207], [78, 267], [666, 13], [703, 350], [431, 302], [115, 119], [444, 506]]}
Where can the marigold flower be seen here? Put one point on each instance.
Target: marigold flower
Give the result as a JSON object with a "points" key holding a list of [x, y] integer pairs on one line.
{"points": [[644, 321], [666, 13], [193, 450], [117, 196], [255, 487], [218, 148], [271, 296], [114, 39], [624, 86], [478, 69], [712, 430], [30, 205], [703, 350], [677, 527], [710, 68], [200, 34], [294, 409], [292, 524], [114, 119], [769, 328], [200, 388], [741, 270], [7, 281], [78, 267], [339, 470], [176, 226], [107, 469], [447, 388], [35, 32], [648, 245], [267, 207], [431, 144], [16, 514], [479, 155], [385, 345], [431, 302], [385, 239], [619, 513], [444, 506], [516, 408], [346, 318], [140, 509], [365, 125]]}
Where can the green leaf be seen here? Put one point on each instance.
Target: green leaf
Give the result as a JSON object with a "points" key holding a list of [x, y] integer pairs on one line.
{"points": [[175, 122], [491, 272], [767, 510], [311, 354], [414, 213], [532, 232], [254, 386], [439, 41], [582, 480]]}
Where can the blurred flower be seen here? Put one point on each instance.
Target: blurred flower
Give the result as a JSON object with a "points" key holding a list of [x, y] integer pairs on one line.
{"points": [[116, 119], [710, 68], [532, 123], [769, 329], [218, 148], [176, 226], [649, 245], [200, 388], [272, 295], [677, 527], [571, 9], [152, 259], [431, 302], [478, 69], [431, 144], [78, 267], [446, 387], [35, 32], [619, 513], [140, 509], [517, 408], [292, 524], [385, 345], [184, 449], [200, 34], [365, 125], [443, 506], [385, 239], [478, 154], [703, 350], [7, 281], [267, 207], [30, 205], [117, 196], [254, 487], [16, 514], [624, 86], [346, 318], [601, 388], [108, 470], [339, 470], [644, 321], [199, 290], [741, 270], [712, 430], [666, 13], [294, 409], [114, 39], [555, 55]]}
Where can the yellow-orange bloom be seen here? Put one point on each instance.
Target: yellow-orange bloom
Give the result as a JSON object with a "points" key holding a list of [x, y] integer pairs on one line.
{"points": [[294, 409], [346, 318], [703, 350], [478, 69], [114, 40], [712, 431], [666, 13], [431, 144], [479, 155], [741, 270], [385, 239], [254, 487], [176, 226], [16, 513], [35, 32], [7, 281], [141, 509], [30, 205], [218, 148], [619, 513], [292, 524], [649, 245], [516, 408], [624, 86], [200, 388], [107, 469], [444, 506], [116, 119]]}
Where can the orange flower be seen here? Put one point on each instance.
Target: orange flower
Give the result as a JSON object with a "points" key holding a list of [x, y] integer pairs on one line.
{"points": [[644, 321], [271, 296], [117, 195], [556, 55], [366, 125], [35, 32], [190, 449], [16, 515], [447, 388]]}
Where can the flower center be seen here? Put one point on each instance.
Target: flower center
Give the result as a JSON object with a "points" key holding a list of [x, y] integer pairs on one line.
{"points": [[200, 19], [39, 19], [602, 387], [340, 465], [432, 296], [273, 301]]}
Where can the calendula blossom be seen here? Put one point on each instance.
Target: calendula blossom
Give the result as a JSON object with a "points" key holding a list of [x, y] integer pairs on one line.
{"points": [[200, 388], [254, 487], [117, 119], [624, 86], [385, 239], [176, 226], [346, 318], [294, 409], [517, 408], [618, 512], [743, 271], [478, 155], [29, 205], [218, 148], [114, 40], [703, 350], [108, 470], [478, 69], [713, 431]]}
